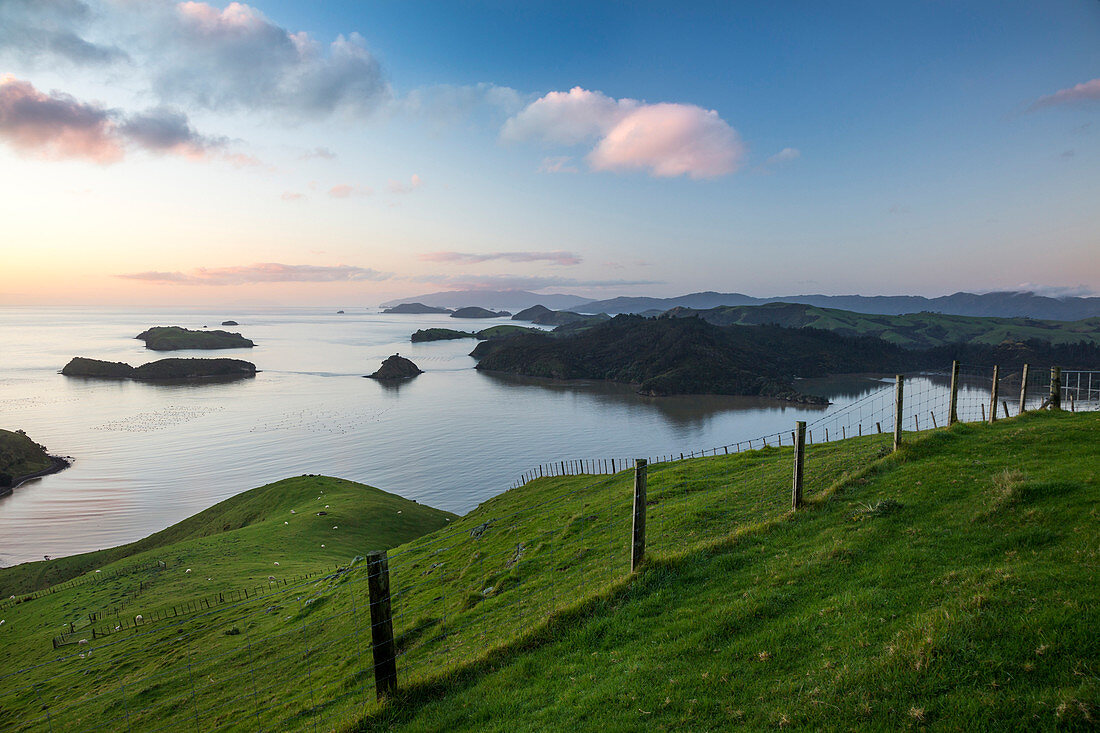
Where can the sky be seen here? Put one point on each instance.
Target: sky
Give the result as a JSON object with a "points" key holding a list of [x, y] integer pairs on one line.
{"points": [[348, 153]]}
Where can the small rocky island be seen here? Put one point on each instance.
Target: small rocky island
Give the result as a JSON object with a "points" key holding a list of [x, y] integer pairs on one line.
{"points": [[439, 334], [173, 338], [449, 334], [396, 367], [474, 312], [22, 459], [230, 323], [162, 369], [415, 308]]}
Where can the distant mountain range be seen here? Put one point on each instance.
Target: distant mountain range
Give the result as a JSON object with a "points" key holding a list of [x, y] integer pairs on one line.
{"points": [[1004, 304], [510, 300]]}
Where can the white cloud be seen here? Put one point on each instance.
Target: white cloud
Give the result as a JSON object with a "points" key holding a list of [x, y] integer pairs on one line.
{"points": [[414, 183], [665, 139], [786, 155]]}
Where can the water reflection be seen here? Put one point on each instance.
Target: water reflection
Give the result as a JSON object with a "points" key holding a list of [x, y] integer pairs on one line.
{"points": [[683, 411]]}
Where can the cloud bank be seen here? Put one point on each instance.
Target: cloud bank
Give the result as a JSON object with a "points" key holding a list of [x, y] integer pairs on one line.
{"points": [[51, 31], [665, 139], [557, 258], [265, 272], [57, 126], [522, 282], [237, 59]]}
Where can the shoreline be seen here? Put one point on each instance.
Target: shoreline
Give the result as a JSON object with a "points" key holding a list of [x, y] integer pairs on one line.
{"points": [[57, 464]]}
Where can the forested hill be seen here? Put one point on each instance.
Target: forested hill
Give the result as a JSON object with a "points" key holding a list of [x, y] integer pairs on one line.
{"points": [[914, 330], [688, 356], [666, 356]]}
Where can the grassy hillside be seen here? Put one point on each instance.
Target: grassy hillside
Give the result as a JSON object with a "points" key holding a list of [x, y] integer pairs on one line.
{"points": [[253, 521], [19, 456], [913, 331], [950, 587]]}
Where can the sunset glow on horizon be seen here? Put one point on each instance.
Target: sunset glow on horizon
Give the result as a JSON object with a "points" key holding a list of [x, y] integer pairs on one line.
{"points": [[200, 153]]}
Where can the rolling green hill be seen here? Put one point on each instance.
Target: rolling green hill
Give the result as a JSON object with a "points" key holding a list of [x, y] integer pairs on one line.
{"points": [[913, 331], [949, 586]]}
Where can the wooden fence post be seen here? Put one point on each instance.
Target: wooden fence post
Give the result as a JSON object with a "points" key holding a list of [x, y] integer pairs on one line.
{"points": [[899, 391], [1056, 388], [381, 621], [637, 541], [993, 395], [1023, 391], [953, 410], [799, 456]]}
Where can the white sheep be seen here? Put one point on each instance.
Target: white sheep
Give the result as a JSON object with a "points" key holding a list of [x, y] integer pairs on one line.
{"points": [[292, 511], [137, 618], [335, 527], [82, 641], [271, 577], [187, 570], [3, 622], [276, 562], [286, 522]]}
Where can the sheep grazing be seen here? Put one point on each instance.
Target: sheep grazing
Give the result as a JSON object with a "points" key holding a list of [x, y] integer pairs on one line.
{"points": [[82, 641], [292, 511], [286, 522], [137, 618], [187, 570], [276, 562], [271, 577], [335, 527]]}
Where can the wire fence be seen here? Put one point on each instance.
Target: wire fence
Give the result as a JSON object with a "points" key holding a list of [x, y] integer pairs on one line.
{"points": [[302, 653]]}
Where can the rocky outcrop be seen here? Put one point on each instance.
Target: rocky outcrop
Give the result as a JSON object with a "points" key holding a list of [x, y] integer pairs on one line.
{"points": [[230, 323], [396, 367]]}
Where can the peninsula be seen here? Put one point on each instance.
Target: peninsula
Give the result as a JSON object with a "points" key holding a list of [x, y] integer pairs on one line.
{"points": [[415, 308], [22, 459]]}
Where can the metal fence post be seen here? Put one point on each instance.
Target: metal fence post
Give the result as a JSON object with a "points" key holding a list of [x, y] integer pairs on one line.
{"points": [[953, 411], [799, 456], [1023, 391], [637, 541], [993, 394], [1056, 388], [899, 391], [381, 622]]}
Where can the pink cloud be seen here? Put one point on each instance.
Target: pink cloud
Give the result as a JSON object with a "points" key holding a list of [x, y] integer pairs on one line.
{"points": [[292, 196], [558, 164], [665, 139], [55, 126], [265, 272], [400, 187], [557, 258], [347, 190], [670, 140], [1088, 91]]}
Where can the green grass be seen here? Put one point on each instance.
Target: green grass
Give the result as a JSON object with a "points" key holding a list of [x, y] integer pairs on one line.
{"points": [[19, 456], [912, 330], [242, 542], [950, 587]]}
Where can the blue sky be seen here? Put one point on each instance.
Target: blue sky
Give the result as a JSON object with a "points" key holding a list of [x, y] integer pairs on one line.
{"points": [[764, 148]]}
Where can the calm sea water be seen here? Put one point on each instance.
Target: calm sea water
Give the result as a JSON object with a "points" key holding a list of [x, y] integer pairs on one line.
{"points": [[147, 456]]}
